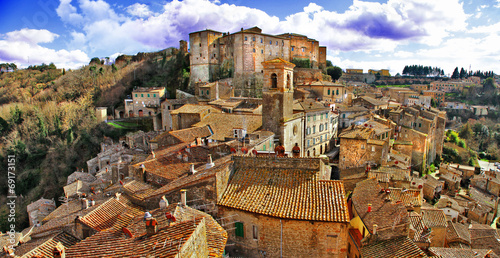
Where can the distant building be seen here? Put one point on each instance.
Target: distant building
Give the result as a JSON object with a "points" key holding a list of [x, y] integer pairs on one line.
{"points": [[145, 102], [437, 96], [39, 209]]}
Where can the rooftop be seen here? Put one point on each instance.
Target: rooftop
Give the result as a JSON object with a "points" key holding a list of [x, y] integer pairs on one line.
{"points": [[357, 133], [222, 124], [286, 193], [194, 109], [400, 247]]}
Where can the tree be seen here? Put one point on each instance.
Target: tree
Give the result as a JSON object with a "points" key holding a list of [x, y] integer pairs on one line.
{"points": [[466, 132], [95, 60], [463, 73], [335, 72], [489, 85], [455, 74], [433, 103]]}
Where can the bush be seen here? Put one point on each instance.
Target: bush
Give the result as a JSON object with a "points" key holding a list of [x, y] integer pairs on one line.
{"points": [[302, 62], [461, 143]]}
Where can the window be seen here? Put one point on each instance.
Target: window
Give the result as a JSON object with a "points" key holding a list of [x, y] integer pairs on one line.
{"points": [[373, 148], [293, 48], [314, 129], [261, 40], [328, 91], [303, 49], [255, 232], [270, 42], [337, 91], [321, 117], [308, 117], [314, 117], [239, 232], [419, 124], [308, 143], [253, 39], [245, 38], [254, 50], [154, 95], [136, 95], [274, 81], [262, 51], [208, 92], [314, 141], [276, 43], [148, 95], [142, 95], [321, 138], [362, 146], [343, 115], [214, 45]]}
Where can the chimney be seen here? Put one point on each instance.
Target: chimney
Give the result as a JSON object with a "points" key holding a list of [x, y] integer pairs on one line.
{"points": [[85, 203], [191, 169], [210, 164], [118, 196], [151, 226], [163, 203], [58, 251], [375, 229], [369, 207], [183, 197]]}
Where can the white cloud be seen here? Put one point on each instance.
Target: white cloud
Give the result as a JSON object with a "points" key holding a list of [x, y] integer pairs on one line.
{"points": [[31, 36], [139, 10], [22, 47]]}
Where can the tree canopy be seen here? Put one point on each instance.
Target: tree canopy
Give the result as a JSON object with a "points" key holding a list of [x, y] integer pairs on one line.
{"points": [[335, 72]]}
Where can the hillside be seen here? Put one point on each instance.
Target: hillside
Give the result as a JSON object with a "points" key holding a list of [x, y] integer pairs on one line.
{"points": [[47, 118]]}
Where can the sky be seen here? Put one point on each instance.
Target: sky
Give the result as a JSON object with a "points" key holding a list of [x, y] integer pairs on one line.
{"points": [[364, 34]]}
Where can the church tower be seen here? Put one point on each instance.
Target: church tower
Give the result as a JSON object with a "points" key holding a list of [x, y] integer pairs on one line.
{"points": [[277, 96]]}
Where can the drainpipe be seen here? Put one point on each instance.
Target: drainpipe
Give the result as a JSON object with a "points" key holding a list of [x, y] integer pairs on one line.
{"points": [[281, 239]]}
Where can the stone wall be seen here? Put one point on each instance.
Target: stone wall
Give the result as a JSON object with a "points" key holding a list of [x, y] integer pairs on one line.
{"points": [[276, 237], [196, 245]]}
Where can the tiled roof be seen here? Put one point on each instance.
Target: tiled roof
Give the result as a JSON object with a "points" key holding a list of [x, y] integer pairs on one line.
{"points": [[291, 193], [486, 242], [458, 252], [308, 105], [277, 61], [138, 189], [75, 188], [373, 101], [433, 218], [410, 197], [376, 142], [107, 214], [386, 214], [481, 230], [187, 135], [86, 177], [394, 248], [343, 108], [457, 232], [222, 124], [431, 181], [357, 133], [45, 249], [417, 224], [194, 109], [167, 242]]}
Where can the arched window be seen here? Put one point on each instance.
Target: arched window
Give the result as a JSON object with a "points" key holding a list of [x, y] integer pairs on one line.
{"points": [[288, 81], [308, 153], [274, 81]]}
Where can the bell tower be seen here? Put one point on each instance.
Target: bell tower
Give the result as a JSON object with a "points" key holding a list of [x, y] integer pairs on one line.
{"points": [[277, 95]]}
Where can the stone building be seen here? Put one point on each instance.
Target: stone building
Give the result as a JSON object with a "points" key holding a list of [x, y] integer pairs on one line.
{"points": [[145, 102], [167, 106], [437, 96], [316, 126], [216, 55], [351, 114], [359, 147], [190, 114], [277, 108], [39, 209], [325, 90], [283, 219]]}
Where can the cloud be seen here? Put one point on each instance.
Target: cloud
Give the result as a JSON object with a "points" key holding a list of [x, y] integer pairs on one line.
{"points": [[22, 47], [365, 26], [139, 10], [31, 36]]}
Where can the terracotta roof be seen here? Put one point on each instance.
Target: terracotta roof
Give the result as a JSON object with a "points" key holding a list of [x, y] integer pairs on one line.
{"points": [[107, 214], [394, 248], [487, 242], [431, 181], [357, 133], [457, 232], [373, 101], [138, 189], [376, 142], [186, 135], [386, 214], [194, 109], [291, 193], [167, 242], [410, 197], [433, 218], [83, 176], [459, 253], [222, 124], [421, 234], [308, 105], [45, 249], [278, 60], [343, 108]]}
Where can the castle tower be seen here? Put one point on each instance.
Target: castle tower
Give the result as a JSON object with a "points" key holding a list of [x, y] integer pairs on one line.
{"points": [[277, 95]]}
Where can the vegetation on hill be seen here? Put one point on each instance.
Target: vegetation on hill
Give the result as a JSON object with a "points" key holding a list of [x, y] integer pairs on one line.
{"points": [[422, 71], [47, 118]]}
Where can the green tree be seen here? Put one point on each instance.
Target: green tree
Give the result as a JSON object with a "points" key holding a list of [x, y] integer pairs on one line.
{"points": [[329, 63], [466, 132], [453, 137], [302, 62], [433, 103], [489, 85], [455, 74], [335, 72], [95, 60]]}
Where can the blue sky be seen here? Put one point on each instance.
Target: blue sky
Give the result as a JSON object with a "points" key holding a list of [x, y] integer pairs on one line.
{"points": [[359, 34]]}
